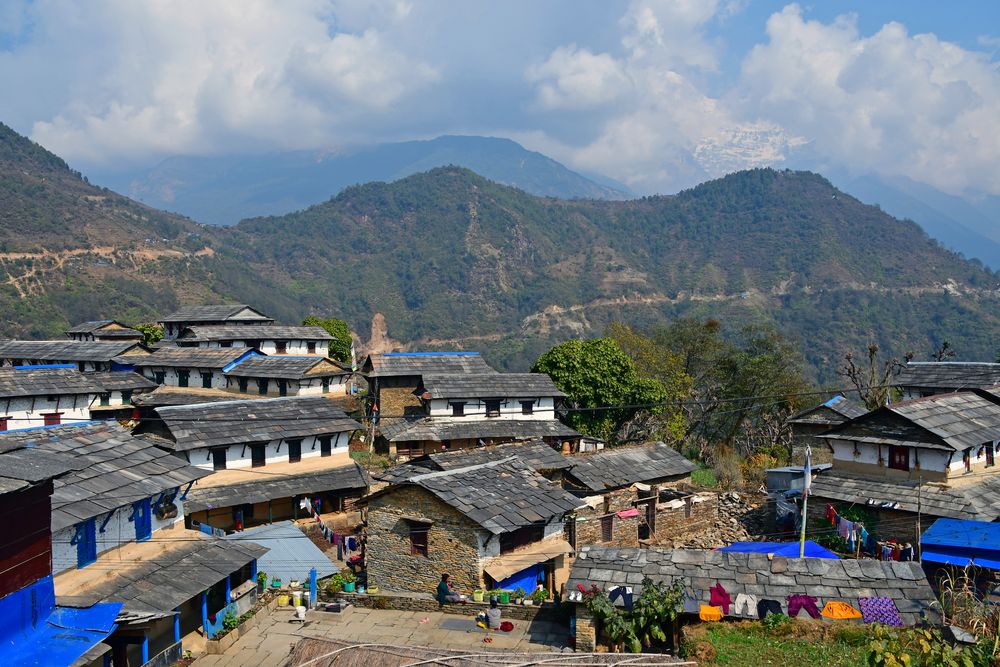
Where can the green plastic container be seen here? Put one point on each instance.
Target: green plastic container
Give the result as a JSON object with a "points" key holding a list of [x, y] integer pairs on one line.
{"points": [[504, 597], [348, 586]]}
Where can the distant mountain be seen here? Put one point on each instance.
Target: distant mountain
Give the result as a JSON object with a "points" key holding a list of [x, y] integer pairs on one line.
{"points": [[224, 190], [971, 228]]}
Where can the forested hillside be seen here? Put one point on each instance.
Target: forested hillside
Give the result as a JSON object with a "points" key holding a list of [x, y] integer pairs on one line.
{"points": [[454, 260]]}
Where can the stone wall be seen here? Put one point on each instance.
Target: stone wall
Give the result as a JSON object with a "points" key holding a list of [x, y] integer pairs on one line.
{"points": [[887, 525], [426, 603], [679, 522], [453, 544], [672, 523], [586, 630]]}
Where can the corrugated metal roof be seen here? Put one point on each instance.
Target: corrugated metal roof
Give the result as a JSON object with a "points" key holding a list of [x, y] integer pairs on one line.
{"points": [[290, 553]]}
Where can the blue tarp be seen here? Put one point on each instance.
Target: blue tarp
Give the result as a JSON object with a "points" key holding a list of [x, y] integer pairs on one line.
{"points": [[291, 554], [961, 542], [788, 549], [527, 579], [59, 636]]}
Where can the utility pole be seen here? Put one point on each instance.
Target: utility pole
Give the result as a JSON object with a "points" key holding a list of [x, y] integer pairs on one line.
{"points": [[920, 483], [806, 483]]}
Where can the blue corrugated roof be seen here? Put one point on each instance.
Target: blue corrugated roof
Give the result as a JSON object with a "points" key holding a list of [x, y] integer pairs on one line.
{"points": [[30, 367], [962, 533], [291, 554], [788, 549]]}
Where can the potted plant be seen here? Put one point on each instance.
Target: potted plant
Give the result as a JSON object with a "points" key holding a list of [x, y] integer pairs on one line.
{"points": [[335, 584], [276, 583], [261, 582], [540, 596], [503, 597], [518, 595], [348, 579], [477, 595]]}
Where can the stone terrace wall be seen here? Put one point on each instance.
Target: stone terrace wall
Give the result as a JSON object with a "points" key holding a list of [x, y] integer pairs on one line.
{"points": [[452, 544], [671, 523], [427, 603], [694, 517]]}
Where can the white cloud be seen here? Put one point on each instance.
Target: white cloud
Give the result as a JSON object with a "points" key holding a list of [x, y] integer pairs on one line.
{"points": [[893, 103], [193, 77], [574, 78]]}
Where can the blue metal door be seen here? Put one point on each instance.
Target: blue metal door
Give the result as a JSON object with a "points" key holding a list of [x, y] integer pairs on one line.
{"points": [[86, 542], [143, 520]]}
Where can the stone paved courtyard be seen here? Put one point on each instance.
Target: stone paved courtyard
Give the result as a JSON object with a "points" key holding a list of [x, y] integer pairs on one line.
{"points": [[269, 643]]}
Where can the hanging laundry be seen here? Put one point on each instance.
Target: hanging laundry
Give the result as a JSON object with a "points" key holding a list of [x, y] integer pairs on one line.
{"points": [[690, 602], [906, 553], [845, 527], [719, 597], [623, 592], [838, 610], [707, 613], [880, 610], [797, 603], [765, 607], [831, 515], [745, 605], [628, 514]]}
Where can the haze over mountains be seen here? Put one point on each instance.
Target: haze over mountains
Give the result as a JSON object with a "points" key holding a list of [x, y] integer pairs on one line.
{"points": [[451, 259]]}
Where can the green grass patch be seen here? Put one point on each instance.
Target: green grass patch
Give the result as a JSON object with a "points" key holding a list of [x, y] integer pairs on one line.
{"points": [[704, 477], [788, 643]]}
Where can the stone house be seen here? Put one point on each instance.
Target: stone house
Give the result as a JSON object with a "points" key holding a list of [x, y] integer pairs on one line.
{"points": [[85, 355], [467, 410], [809, 423], [254, 433], [760, 575], [918, 379], [635, 495], [538, 455], [287, 376], [932, 456], [275, 339], [45, 396], [234, 314], [104, 330], [190, 366], [495, 524], [118, 389]]}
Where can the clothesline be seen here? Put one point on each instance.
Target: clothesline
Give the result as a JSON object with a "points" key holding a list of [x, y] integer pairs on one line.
{"points": [[858, 538]]}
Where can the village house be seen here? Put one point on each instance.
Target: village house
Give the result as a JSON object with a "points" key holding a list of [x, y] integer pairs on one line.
{"points": [[918, 379], [809, 423], [103, 519], [104, 330], [45, 396], [288, 376], [275, 339], [466, 410], [930, 457], [213, 315], [635, 495], [758, 576], [85, 355], [119, 387], [493, 525], [34, 626], [190, 366], [253, 433], [538, 455]]}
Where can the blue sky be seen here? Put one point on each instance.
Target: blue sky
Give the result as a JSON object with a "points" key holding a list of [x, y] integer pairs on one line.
{"points": [[658, 94]]}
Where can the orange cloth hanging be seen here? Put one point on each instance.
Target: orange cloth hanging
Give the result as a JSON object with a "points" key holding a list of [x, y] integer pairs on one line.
{"points": [[840, 610], [707, 613]]}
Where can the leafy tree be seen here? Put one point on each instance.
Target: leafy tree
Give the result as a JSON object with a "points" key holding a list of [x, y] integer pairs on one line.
{"points": [[340, 346], [151, 333], [599, 377]]}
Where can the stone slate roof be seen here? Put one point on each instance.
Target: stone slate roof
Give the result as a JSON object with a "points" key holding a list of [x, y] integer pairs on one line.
{"points": [[261, 420], [492, 384], [955, 421], [539, 456], [22, 466], [119, 380], [427, 428], [347, 478], [622, 466], [16, 382], [66, 350], [826, 579], [970, 500], [241, 332], [835, 411], [289, 368], [948, 375], [117, 468], [212, 313], [91, 326], [162, 396], [394, 364], [159, 576], [501, 496], [191, 357]]}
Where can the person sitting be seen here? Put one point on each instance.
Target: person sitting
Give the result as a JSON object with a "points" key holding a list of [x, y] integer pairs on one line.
{"points": [[493, 615], [445, 592]]}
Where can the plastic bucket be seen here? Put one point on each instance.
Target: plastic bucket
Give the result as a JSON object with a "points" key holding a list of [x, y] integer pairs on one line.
{"points": [[297, 598], [477, 595], [504, 597], [283, 600], [348, 586]]}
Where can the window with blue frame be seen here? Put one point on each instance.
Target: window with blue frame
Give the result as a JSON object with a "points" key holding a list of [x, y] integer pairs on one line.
{"points": [[143, 520], [86, 542]]}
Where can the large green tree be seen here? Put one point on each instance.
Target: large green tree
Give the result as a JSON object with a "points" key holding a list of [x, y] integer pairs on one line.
{"points": [[340, 346], [601, 384]]}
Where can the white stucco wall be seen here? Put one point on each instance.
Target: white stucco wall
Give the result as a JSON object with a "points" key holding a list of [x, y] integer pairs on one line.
{"points": [[25, 413], [308, 387], [276, 451], [475, 408], [118, 531], [930, 460], [294, 347], [194, 376]]}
